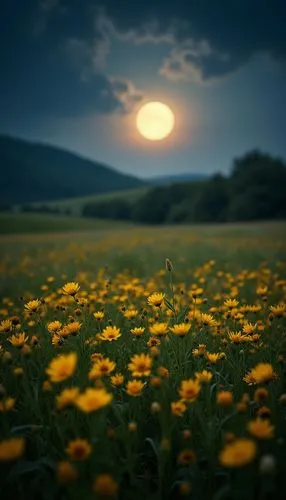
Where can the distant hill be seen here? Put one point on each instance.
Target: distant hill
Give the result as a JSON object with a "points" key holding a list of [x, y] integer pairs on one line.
{"points": [[162, 180], [32, 172]]}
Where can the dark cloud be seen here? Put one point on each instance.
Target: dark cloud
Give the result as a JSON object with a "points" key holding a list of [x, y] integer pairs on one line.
{"points": [[53, 52], [235, 30]]}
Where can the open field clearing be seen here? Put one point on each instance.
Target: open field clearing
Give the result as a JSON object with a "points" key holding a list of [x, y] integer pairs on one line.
{"points": [[75, 205], [126, 375]]}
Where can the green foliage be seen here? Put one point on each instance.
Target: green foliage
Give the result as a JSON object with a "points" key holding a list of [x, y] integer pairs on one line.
{"points": [[255, 190]]}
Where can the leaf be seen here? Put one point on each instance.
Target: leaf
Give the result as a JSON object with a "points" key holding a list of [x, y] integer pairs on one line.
{"points": [[28, 467], [153, 446], [169, 305], [182, 314], [222, 493]]}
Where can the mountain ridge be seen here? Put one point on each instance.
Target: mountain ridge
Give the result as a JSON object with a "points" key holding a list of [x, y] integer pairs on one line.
{"points": [[34, 171]]}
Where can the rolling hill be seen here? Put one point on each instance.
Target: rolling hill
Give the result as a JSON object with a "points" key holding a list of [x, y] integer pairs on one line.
{"points": [[34, 172]]}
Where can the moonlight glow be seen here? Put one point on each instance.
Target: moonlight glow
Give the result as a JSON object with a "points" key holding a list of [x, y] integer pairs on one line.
{"points": [[155, 121]]}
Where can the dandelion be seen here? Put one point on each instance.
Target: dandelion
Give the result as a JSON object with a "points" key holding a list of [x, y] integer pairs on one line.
{"points": [[238, 453], [71, 328], [110, 333], [93, 400], [261, 429], [224, 398], [231, 303], [140, 365], [278, 310], [178, 408], [70, 288], [18, 340], [33, 306], [181, 329], [54, 326], [189, 390], [138, 331], [159, 329], [79, 450], [105, 486], [134, 387], [263, 372], [66, 472], [204, 376], [98, 315], [215, 357], [6, 326], [67, 398], [117, 379], [7, 404], [156, 299], [11, 449], [62, 367], [101, 367]]}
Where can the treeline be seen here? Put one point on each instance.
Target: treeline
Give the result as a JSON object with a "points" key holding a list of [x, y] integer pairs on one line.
{"points": [[255, 190]]}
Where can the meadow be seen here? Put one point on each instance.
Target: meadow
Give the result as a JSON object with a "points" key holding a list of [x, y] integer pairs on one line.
{"points": [[144, 363]]}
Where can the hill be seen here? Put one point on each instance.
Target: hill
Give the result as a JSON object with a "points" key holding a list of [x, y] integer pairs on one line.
{"points": [[35, 172]]}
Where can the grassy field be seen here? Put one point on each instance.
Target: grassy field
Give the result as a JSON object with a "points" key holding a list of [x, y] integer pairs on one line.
{"points": [[75, 205], [15, 223], [126, 376]]}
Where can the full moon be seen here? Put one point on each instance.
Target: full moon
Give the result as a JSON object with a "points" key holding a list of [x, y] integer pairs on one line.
{"points": [[155, 121]]}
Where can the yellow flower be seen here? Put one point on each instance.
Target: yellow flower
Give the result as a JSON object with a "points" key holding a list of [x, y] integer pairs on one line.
{"points": [[159, 329], [134, 387], [181, 329], [278, 310], [7, 404], [99, 315], [57, 340], [101, 368], [110, 333], [238, 453], [208, 320], [140, 365], [260, 428], [117, 379], [18, 371], [54, 326], [189, 390], [130, 313], [231, 303], [93, 400], [105, 486], [33, 305], [200, 351], [6, 325], [18, 340], [71, 328], [79, 449], [156, 299], [66, 472], [263, 372], [204, 376], [67, 398], [62, 367], [213, 357], [137, 331], [70, 288], [249, 328], [11, 449], [236, 337], [224, 398], [178, 408]]}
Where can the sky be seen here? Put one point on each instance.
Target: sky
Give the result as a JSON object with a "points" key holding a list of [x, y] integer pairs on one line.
{"points": [[74, 74]]}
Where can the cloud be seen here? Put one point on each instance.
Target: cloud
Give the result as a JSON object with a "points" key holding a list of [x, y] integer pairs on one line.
{"points": [[235, 32]]}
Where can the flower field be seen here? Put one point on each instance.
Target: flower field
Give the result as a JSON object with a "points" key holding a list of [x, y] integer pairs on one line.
{"points": [[144, 363]]}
